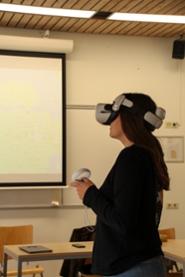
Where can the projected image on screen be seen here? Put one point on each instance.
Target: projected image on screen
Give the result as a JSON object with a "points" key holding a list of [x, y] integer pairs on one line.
{"points": [[31, 120]]}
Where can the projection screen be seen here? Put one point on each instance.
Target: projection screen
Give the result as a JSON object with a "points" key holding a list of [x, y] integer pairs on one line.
{"points": [[32, 120]]}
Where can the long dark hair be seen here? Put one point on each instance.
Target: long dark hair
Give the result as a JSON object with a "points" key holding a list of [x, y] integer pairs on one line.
{"points": [[139, 132]]}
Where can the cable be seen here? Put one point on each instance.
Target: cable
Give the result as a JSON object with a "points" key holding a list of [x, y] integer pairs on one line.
{"points": [[87, 222]]}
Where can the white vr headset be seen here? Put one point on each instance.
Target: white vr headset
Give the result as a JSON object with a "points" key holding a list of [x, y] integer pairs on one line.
{"points": [[107, 113]]}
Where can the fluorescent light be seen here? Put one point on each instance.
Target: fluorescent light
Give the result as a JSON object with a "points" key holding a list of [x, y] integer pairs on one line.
{"points": [[46, 11], [158, 18]]}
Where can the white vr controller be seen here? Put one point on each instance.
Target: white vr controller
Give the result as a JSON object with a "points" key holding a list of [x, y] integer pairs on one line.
{"points": [[77, 174]]}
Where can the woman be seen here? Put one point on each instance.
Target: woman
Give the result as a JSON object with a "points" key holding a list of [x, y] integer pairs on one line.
{"points": [[128, 204]]}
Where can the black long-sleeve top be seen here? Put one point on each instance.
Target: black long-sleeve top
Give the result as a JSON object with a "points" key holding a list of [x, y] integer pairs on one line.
{"points": [[125, 205]]}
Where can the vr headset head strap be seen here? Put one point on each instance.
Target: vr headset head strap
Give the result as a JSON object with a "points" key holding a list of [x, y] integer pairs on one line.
{"points": [[155, 120], [106, 113]]}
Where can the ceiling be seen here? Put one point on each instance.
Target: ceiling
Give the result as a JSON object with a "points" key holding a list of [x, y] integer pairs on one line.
{"points": [[99, 25]]}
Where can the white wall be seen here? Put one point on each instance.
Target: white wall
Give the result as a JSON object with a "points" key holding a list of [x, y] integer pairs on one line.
{"points": [[100, 68]]}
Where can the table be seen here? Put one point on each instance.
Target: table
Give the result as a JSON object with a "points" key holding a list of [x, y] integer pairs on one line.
{"points": [[174, 249], [62, 250]]}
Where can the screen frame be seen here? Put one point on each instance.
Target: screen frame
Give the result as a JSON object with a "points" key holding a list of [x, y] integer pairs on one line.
{"points": [[45, 185]]}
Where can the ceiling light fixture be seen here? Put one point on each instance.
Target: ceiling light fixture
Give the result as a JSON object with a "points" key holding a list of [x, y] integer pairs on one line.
{"points": [[46, 11], [158, 18]]}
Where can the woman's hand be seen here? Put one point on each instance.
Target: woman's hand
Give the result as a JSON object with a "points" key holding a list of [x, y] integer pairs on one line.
{"points": [[82, 187]]}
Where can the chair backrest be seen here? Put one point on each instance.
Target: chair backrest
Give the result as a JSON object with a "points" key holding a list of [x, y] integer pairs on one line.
{"points": [[170, 232], [10, 235]]}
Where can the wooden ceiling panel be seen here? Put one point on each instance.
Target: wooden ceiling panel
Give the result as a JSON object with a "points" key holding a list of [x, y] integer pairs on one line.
{"points": [[24, 21], [56, 4], [113, 6], [33, 21], [38, 3], [6, 1], [96, 25], [6, 17], [84, 5], [120, 29], [152, 6], [102, 27], [73, 4], [42, 22], [89, 26], [84, 26], [68, 24], [77, 25], [14, 19], [48, 3], [100, 5], [25, 2], [59, 24], [142, 7], [91, 29], [17, 2], [160, 29], [128, 28], [175, 31], [110, 29], [51, 23], [141, 29], [134, 28], [176, 7], [89, 5]]}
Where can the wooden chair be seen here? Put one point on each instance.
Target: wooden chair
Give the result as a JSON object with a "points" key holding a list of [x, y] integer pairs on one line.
{"points": [[10, 235], [170, 233], [79, 267], [175, 274]]}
